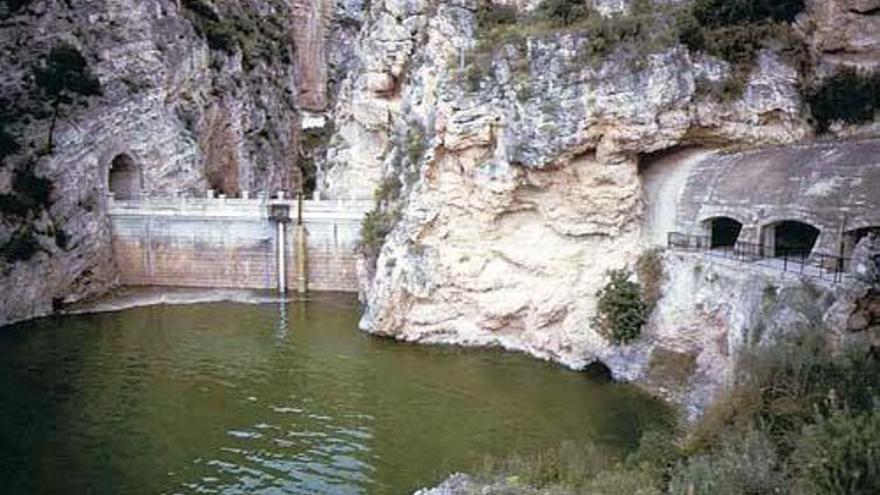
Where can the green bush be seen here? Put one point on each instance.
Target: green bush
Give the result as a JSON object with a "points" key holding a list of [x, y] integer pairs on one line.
{"points": [[572, 465], [745, 462], [622, 482], [848, 96], [645, 29], [563, 12], [718, 13], [388, 190], [621, 310], [658, 452], [839, 454], [491, 15], [376, 225], [259, 37]]}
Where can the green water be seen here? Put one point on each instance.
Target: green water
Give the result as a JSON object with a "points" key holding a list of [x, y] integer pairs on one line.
{"points": [[236, 398]]}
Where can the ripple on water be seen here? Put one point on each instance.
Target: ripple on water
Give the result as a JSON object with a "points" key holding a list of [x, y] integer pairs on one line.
{"points": [[213, 398]]}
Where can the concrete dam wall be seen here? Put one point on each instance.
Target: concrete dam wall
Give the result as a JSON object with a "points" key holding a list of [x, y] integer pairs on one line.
{"points": [[235, 243]]}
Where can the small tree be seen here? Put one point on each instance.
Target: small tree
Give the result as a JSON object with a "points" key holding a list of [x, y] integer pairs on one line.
{"points": [[562, 12], [65, 78], [621, 310]]}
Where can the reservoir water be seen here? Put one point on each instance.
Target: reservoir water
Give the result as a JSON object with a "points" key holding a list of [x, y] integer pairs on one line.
{"points": [[275, 398]]}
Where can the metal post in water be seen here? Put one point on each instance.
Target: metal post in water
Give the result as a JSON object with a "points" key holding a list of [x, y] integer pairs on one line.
{"points": [[280, 214], [302, 280], [282, 272]]}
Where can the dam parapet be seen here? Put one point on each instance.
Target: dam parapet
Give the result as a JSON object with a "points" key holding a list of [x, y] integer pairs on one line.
{"points": [[240, 243]]}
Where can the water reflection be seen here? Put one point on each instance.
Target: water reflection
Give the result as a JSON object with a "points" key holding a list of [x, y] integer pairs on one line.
{"points": [[281, 327]]}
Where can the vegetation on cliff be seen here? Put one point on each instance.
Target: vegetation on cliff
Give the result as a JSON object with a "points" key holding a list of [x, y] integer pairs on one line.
{"points": [[231, 27], [736, 31], [621, 310], [798, 419], [643, 30], [849, 96], [623, 305], [409, 147], [732, 31], [379, 221], [63, 79]]}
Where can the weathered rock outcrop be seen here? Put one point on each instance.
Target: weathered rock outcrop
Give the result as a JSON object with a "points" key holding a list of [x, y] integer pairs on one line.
{"points": [[846, 31], [713, 308], [527, 183], [518, 173]]}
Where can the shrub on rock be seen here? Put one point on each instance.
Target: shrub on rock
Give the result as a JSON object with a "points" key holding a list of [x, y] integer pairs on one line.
{"points": [[621, 310]]}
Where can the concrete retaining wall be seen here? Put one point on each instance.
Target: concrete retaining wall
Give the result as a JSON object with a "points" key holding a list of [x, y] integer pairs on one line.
{"points": [[232, 243]]}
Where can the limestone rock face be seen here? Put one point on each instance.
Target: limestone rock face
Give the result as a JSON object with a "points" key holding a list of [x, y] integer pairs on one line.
{"points": [[189, 99], [847, 31], [865, 258], [519, 173]]}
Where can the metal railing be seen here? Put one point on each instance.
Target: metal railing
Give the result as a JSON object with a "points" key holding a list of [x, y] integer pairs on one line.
{"points": [[799, 261]]}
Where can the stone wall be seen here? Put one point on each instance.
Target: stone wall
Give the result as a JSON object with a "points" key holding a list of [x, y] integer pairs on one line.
{"points": [[333, 234], [232, 243]]}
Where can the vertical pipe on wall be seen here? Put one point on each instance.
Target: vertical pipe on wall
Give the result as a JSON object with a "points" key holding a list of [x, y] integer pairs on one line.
{"points": [[149, 252], [302, 281], [282, 272]]}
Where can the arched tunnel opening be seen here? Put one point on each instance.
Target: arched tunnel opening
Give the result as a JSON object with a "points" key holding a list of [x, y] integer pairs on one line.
{"points": [[791, 238], [724, 232], [124, 177]]}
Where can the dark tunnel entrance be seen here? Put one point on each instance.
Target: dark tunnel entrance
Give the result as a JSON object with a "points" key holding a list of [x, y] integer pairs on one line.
{"points": [[792, 238], [124, 178], [724, 232]]}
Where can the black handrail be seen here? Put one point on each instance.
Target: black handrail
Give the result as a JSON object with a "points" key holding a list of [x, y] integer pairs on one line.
{"points": [[781, 258]]}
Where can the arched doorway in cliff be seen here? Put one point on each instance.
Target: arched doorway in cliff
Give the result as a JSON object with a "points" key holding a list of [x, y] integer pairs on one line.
{"points": [[723, 231], [124, 177], [789, 238]]}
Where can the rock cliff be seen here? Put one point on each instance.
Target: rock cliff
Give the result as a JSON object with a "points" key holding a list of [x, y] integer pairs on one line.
{"points": [[510, 174], [191, 95]]}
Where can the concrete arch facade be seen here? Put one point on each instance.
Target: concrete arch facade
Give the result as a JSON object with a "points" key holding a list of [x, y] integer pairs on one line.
{"points": [[723, 230], [830, 186]]}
